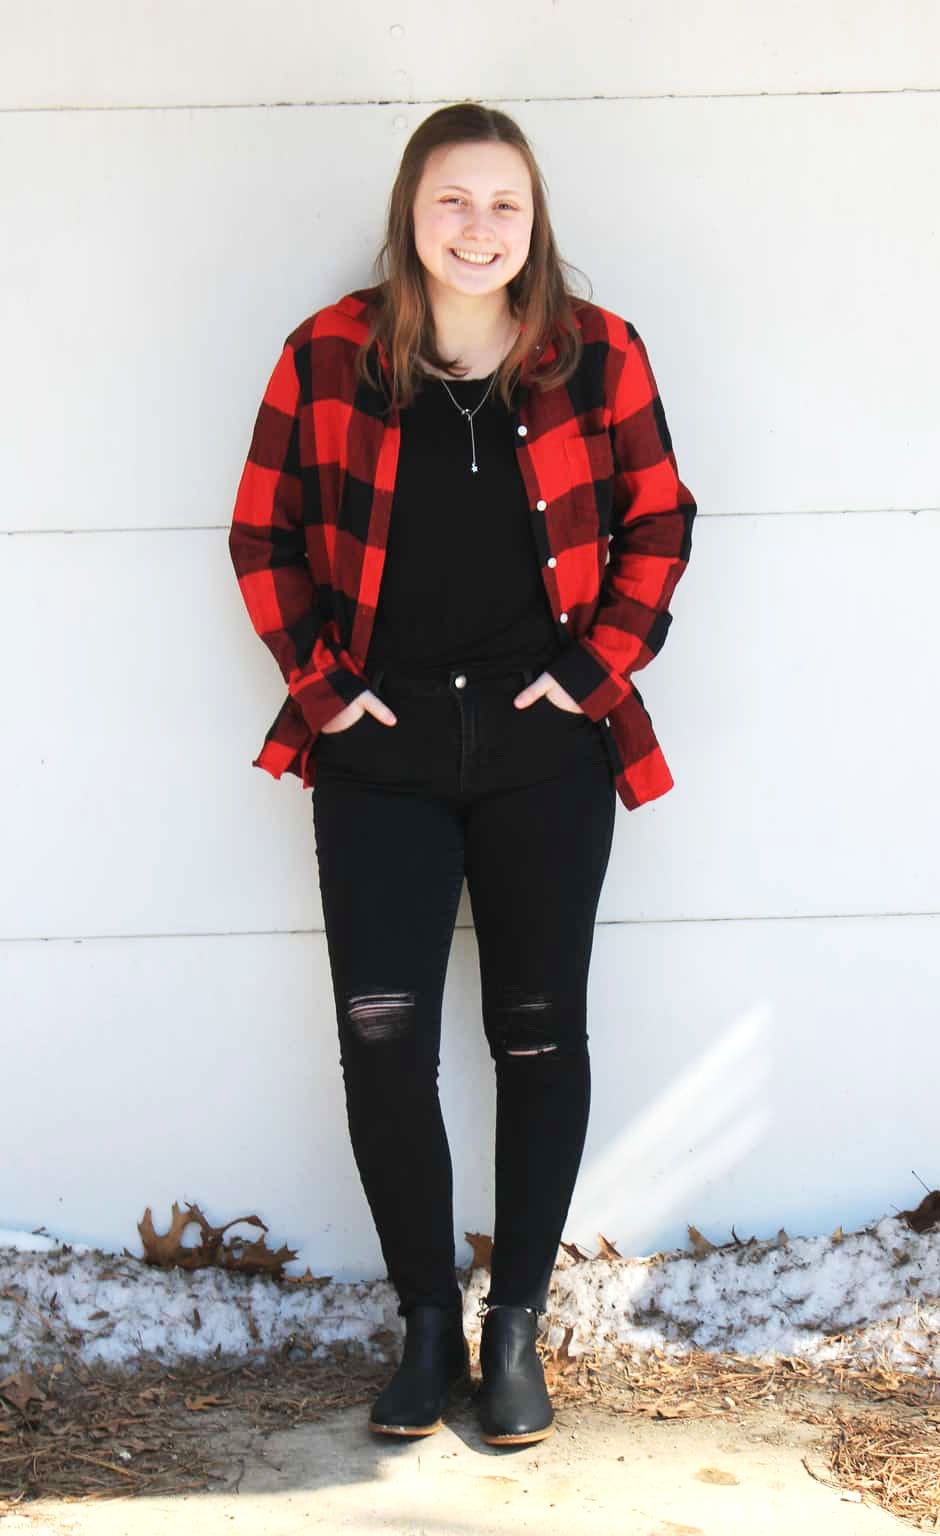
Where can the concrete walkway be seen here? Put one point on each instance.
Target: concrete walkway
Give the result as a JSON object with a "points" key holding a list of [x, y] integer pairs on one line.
{"points": [[594, 1473]]}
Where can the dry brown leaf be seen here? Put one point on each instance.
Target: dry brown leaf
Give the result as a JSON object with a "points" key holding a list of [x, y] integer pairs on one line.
{"points": [[737, 1242], [308, 1278], [560, 1352], [926, 1215], [255, 1258], [575, 1252], [482, 1246], [200, 1404], [19, 1388], [700, 1244], [608, 1251], [168, 1249]]}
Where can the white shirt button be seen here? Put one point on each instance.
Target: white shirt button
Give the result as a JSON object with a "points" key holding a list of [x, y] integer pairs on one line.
{"points": [[522, 431], [541, 505], [551, 561], [562, 618], [460, 680]]}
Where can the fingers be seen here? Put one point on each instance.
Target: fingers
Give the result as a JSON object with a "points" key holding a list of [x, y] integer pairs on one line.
{"points": [[377, 707], [360, 706], [546, 684], [533, 690]]}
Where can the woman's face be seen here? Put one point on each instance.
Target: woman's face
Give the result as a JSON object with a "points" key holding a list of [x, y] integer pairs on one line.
{"points": [[473, 199]]}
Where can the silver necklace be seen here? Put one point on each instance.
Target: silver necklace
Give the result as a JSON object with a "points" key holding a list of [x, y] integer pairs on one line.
{"points": [[465, 411]]}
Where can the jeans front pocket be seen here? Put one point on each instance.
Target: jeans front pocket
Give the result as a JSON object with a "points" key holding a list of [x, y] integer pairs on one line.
{"points": [[569, 714], [331, 741]]}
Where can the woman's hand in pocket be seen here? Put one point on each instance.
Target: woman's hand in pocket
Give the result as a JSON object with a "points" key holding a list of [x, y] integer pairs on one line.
{"points": [[554, 692], [366, 702]]}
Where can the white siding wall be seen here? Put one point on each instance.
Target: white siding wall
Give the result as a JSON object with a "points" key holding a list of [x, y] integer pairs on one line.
{"points": [[755, 187]]}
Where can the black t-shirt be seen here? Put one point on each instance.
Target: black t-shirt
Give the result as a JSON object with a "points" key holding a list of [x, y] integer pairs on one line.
{"points": [[461, 583]]}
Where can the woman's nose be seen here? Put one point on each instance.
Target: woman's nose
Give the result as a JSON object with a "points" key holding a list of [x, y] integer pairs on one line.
{"points": [[475, 223]]}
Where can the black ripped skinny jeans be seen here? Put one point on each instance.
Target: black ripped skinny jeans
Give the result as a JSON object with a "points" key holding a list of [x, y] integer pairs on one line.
{"points": [[521, 802]]}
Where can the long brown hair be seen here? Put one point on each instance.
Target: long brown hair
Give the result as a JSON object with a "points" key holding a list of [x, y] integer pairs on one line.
{"points": [[403, 320]]}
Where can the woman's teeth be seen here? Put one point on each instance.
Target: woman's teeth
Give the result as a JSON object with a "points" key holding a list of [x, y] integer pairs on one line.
{"points": [[477, 260]]}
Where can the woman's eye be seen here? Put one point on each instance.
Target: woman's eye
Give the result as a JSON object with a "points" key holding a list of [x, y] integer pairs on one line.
{"points": [[455, 199]]}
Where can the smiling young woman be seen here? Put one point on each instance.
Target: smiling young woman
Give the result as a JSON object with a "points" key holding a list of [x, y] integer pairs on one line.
{"points": [[458, 530]]}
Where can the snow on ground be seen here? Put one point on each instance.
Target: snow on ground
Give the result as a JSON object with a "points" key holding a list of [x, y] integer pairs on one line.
{"points": [[871, 1295]]}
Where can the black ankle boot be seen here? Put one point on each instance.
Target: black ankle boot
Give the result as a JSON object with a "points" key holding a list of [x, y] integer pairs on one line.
{"points": [[513, 1405], [435, 1358]]}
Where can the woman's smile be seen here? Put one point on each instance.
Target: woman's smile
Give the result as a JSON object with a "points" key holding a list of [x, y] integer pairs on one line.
{"points": [[475, 258]]}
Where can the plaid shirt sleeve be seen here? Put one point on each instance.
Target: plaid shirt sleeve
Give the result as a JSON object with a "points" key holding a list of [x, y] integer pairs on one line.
{"points": [[649, 550], [267, 544]]}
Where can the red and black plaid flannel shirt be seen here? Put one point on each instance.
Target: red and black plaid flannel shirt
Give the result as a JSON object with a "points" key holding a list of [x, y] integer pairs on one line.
{"points": [[611, 518]]}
